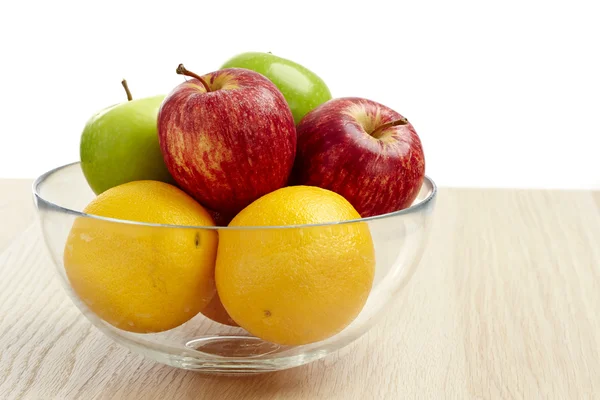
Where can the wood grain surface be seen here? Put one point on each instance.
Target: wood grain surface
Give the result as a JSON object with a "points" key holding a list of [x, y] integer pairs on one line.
{"points": [[505, 304]]}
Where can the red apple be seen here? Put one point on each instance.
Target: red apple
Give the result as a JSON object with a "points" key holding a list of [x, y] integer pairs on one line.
{"points": [[219, 218], [227, 137], [362, 150]]}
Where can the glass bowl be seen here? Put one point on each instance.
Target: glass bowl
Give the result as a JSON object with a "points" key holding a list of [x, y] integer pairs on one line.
{"points": [[200, 344]]}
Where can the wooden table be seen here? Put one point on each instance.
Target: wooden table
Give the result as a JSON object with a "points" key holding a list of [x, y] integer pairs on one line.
{"points": [[505, 304]]}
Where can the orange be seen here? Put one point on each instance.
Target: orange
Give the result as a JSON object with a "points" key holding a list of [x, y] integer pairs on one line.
{"points": [[143, 278], [215, 311], [292, 285]]}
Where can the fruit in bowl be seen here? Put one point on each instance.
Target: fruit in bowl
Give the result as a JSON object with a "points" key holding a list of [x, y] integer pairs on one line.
{"points": [[295, 286], [303, 89], [136, 279], [119, 144], [363, 150], [239, 265], [227, 137], [201, 344], [217, 312]]}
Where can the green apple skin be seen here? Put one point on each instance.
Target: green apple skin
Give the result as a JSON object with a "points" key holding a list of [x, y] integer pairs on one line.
{"points": [[119, 144], [303, 89]]}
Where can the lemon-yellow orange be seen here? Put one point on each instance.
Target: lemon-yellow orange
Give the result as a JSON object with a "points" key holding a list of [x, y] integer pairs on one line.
{"points": [[143, 278], [290, 285]]}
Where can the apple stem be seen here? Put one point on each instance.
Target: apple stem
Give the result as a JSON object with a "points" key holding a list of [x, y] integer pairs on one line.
{"points": [[182, 71], [377, 132], [124, 83]]}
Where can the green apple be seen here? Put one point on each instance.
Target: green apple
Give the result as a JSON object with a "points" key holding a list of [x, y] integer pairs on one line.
{"points": [[119, 144], [302, 88]]}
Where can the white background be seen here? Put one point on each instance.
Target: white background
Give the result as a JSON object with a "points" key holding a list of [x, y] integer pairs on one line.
{"points": [[502, 94]]}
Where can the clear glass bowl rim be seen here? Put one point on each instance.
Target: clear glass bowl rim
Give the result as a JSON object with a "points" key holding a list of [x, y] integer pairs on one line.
{"points": [[415, 208]]}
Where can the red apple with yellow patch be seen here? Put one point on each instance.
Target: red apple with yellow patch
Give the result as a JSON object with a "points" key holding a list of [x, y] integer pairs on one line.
{"points": [[227, 137], [362, 150]]}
